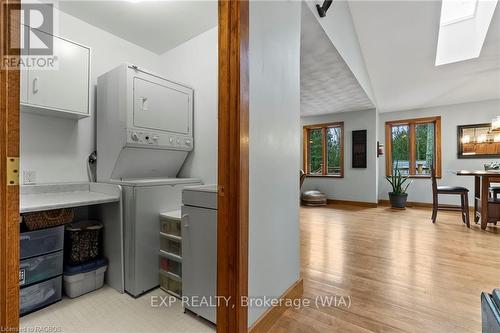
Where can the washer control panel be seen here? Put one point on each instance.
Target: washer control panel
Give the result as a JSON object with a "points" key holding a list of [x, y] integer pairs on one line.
{"points": [[159, 140]]}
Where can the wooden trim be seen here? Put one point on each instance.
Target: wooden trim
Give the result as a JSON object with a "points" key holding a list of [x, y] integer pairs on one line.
{"points": [[413, 120], [324, 164], [437, 153], [267, 320], [412, 125], [410, 204], [413, 149], [305, 152], [353, 203], [305, 148], [333, 124], [9, 194], [325, 176], [388, 149], [232, 214]]}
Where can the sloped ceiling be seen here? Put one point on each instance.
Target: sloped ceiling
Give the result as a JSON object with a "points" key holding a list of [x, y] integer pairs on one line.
{"points": [[398, 41], [327, 84], [157, 26]]}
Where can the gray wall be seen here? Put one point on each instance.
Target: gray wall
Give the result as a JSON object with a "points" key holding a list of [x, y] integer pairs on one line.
{"points": [[274, 243], [357, 184], [57, 148], [451, 117], [184, 64]]}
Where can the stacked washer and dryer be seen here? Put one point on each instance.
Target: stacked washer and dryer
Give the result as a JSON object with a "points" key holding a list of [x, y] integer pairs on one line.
{"points": [[144, 134]]}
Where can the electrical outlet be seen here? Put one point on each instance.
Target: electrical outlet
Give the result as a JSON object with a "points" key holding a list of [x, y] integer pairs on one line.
{"points": [[29, 177]]}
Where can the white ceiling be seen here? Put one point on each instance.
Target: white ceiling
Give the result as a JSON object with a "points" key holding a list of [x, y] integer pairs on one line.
{"points": [[398, 40], [327, 84], [154, 25]]}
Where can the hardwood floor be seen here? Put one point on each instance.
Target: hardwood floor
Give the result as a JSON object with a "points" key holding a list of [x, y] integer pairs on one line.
{"points": [[401, 272]]}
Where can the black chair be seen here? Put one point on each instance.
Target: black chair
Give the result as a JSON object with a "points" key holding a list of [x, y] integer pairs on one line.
{"points": [[494, 191], [449, 190]]}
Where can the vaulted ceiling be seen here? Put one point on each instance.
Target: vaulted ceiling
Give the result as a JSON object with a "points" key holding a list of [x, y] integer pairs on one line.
{"points": [[327, 84], [398, 40]]}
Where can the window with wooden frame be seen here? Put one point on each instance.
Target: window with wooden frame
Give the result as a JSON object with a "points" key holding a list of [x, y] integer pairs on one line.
{"points": [[413, 146], [324, 150]]}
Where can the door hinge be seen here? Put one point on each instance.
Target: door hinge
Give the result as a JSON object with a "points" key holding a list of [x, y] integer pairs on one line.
{"points": [[12, 171]]}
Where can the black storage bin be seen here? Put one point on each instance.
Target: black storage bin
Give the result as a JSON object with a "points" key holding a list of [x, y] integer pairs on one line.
{"points": [[82, 242]]}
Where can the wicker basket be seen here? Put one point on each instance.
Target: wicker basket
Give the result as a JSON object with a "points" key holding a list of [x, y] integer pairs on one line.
{"points": [[48, 218], [82, 242]]}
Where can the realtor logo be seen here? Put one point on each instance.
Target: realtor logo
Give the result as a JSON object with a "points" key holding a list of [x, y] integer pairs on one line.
{"points": [[37, 25], [28, 29]]}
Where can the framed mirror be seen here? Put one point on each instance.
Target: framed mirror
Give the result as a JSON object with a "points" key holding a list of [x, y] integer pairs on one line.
{"points": [[478, 141]]}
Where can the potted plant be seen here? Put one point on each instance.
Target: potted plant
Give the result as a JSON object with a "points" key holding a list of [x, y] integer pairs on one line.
{"points": [[399, 184]]}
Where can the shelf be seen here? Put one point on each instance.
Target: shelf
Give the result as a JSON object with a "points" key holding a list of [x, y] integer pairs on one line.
{"points": [[54, 196]]}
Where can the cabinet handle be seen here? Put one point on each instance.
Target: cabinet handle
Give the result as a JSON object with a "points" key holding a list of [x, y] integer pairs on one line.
{"points": [[184, 219], [35, 85]]}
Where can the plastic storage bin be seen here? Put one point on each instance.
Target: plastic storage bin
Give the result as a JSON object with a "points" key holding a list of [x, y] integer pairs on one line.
{"points": [[170, 244], [81, 279], [40, 295], [83, 242], [170, 264], [170, 223], [40, 268], [170, 284], [35, 243]]}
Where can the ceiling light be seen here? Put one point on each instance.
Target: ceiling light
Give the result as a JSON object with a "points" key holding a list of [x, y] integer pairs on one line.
{"points": [[462, 30]]}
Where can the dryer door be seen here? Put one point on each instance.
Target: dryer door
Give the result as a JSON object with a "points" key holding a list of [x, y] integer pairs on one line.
{"points": [[161, 105]]}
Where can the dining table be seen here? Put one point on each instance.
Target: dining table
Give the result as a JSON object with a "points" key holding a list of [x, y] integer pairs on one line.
{"points": [[486, 209]]}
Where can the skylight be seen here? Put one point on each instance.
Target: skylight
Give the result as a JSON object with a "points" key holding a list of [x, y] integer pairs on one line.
{"points": [[456, 11], [462, 30]]}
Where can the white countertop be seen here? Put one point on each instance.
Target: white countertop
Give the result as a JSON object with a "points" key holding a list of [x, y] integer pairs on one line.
{"points": [[54, 196]]}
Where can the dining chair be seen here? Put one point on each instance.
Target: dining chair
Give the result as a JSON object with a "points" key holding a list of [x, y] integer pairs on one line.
{"points": [[449, 190], [494, 191]]}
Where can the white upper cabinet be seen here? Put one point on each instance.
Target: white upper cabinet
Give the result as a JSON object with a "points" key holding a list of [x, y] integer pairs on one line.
{"points": [[63, 91]]}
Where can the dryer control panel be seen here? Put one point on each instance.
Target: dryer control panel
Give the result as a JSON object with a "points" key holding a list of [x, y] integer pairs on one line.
{"points": [[140, 138]]}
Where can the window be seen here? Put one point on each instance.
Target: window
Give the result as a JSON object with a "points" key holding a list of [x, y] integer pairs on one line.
{"points": [[324, 150], [413, 146]]}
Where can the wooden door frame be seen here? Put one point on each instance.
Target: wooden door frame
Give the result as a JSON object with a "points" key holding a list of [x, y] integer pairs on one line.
{"points": [[232, 230], [9, 192], [232, 214]]}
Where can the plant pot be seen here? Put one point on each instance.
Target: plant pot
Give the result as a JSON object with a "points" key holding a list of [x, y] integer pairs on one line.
{"points": [[398, 200]]}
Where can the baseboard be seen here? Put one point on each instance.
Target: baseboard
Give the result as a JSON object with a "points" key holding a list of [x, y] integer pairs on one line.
{"points": [[410, 204], [268, 318], [387, 203], [353, 203]]}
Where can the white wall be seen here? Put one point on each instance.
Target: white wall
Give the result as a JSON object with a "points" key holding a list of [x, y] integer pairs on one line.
{"points": [[357, 184], [196, 63], [57, 148], [274, 244], [451, 117]]}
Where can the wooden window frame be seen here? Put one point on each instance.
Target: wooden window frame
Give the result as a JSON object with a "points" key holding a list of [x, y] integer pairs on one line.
{"points": [[412, 123], [305, 146]]}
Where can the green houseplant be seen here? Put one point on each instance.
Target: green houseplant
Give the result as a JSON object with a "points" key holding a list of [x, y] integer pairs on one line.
{"points": [[400, 184]]}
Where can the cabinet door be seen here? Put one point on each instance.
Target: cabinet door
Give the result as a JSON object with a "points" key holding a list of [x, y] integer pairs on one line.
{"points": [[23, 93], [67, 87], [199, 258]]}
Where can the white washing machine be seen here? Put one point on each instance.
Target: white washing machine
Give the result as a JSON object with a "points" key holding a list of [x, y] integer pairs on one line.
{"points": [[143, 201]]}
